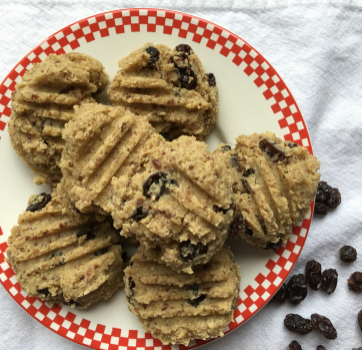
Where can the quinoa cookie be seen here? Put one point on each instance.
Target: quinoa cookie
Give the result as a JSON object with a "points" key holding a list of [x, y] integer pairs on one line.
{"points": [[169, 87], [177, 307], [273, 182], [176, 201], [62, 256], [102, 142], [43, 103]]}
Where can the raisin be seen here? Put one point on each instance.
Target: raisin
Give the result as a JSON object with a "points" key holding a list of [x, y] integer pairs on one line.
{"points": [[211, 79], [39, 202], [90, 232], [155, 179], [297, 289], [324, 325], [297, 324], [237, 225], [334, 199], [355, 282], [329, 280], [313, 273], [248, 172], [294, 345], [184, 48], [360, 320], [226, 148], [70, 302], [139, 213], [320, 208], [197, 301], [188, 80], [101, 251], [248, 231], [281, 295], [270, 148], [273, 246], [292, 145], [246, 186], [154, 56], [329, 197], [218, 209], [44, 292], [131, 285], [191, 251], [195, 289], [347, 254], [321, 347], [357, 348]]}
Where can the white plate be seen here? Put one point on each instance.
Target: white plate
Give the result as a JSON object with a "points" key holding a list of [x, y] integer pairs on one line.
{"points": [[253, 98]]}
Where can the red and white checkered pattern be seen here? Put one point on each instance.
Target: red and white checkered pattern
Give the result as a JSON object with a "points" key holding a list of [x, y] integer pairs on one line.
{"points": [[281, 102]]}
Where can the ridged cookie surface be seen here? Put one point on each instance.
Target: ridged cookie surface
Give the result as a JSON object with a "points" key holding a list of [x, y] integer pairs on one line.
{"points": [[169, 87], [178, 307], [62, 256], [273, 181], [43, 103]]}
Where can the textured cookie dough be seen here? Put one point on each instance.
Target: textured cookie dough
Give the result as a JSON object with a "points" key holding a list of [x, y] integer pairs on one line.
{"points": [[102, 142], [169, 87], [175, 201], [43, 103], [177, 307], [62, 256], [273, 181]]}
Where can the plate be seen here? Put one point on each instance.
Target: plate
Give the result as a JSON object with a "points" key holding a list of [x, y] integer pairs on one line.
{"points": [[252, 98]]}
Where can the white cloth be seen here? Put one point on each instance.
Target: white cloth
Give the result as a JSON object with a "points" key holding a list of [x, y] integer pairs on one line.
{"points": [[316, 47]]}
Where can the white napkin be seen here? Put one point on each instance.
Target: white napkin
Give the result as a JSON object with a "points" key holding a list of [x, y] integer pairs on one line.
{"points": [[316, 47]]}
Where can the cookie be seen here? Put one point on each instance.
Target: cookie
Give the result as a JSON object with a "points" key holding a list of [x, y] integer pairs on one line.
{"points": [[176, 201], [102, 142], [177, 307], [43, 103], [273, 181], [62, 256], [169, 87]]}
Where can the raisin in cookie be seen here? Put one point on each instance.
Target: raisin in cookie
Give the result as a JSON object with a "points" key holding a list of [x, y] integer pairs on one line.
{"points": [[43, 103], [62, 256], [168, 86], [177, 307], [273, 181], [102, 142], [176, 201]]}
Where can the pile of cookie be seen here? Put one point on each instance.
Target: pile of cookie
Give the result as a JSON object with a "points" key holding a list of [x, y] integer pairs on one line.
{"points": [[138, 170]]}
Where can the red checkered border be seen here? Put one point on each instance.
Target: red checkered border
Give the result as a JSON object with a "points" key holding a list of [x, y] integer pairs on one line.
{"points": [[282, 103]]}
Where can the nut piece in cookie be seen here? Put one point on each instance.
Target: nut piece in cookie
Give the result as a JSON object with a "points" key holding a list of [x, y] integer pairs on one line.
{"points": [[169, 87], [65, 257], [43, 103], [177, 307], [273, 184]]}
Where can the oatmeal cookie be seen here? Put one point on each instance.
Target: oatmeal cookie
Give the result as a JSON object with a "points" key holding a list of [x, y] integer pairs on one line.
{"points": [[43, 103], [62, 256], [169, 87], [177, 307]]}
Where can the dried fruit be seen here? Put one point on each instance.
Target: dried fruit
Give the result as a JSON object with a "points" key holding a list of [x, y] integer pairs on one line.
{"points": [[191, 251], [355, 282], [154, 179], [39, 202], [197, 301], [320, 208], [139, 214], [329, 280], [327, 197], [154, 56], [280, 296], [248, 172], [324, 325], [298, 324], [297, 289], [321, 347], [347, 254], [360, 320], [184, 48], [211, 79], [236, 225], [131, 285], [294, 345], [271, 149], [273, 246], [90, 232], [313, 273], [44, 292]]}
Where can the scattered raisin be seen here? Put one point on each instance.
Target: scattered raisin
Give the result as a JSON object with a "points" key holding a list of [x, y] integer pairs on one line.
{"points": [[347, 254], [155, 178], [294, 345], [329, 280], [189, 79], [248, 172], [320, 208], [211, 79], [191, 251], [39, 202], [218, 209], [327, 197], [226, 148], [281, 295], [197, 301], [195, 289], [246, 186], [124, 256], [237, 225], [184, 48], [321, 347], [270, 148], [70, 302], [90, 232], [292, 144], [357, 348], [273, 246], [298, 324], [360, 320], [139, 213], [313, 273], [324, 325], [101, 251], [355, 282], [248, 231], [44, 292], [297, 289], [131, 285], [154, 56]]}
